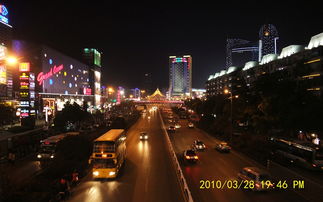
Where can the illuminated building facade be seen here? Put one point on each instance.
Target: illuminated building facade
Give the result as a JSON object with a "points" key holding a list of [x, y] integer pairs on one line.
{"points": [[6, 82], [58, 78], [286, 65], [92, 58], [180, 76]]}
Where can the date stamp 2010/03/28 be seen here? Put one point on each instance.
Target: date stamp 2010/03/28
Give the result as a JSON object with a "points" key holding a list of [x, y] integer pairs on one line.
{"points": [[250, 184]]}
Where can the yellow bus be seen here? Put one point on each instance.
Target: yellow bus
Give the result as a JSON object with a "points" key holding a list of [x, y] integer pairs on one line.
{"points": [[109, 153]]}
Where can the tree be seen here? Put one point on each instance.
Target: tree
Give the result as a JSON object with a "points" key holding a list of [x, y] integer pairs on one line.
{"points": [[7, 114], [72, 113]]}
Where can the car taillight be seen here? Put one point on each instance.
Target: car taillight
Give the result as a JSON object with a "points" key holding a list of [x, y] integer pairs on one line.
{"points": [[314, 165]]}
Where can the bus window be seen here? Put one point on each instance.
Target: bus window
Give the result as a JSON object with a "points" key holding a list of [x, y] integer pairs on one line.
{"points": [[104, 163], [103, 147]]}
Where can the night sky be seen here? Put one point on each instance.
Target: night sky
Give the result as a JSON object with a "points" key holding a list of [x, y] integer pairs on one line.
{"points": [[137, 38]]}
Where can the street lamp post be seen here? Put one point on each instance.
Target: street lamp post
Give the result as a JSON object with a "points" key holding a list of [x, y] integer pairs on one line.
{"points": [[226, 91]]}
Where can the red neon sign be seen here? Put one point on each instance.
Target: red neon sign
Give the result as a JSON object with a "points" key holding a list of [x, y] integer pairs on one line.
{"points": [[87, 91], [41, 76]]}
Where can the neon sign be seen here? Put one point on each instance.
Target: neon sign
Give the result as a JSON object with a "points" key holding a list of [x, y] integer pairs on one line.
{"points": [[24, 67], [87, 91], [54, 70], [3, 14], [24, 76]]}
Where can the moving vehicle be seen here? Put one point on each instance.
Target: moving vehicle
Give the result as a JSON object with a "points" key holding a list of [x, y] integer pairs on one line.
{"points": [[143, 136], [223, 147], [190, 156], [171, 129], [261, 178], [199, 145], [48, 146], [302, 153], [190, 125], [109, 153], [177, 125]]}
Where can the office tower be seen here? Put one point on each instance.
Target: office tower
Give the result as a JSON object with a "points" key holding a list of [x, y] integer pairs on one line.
{"points": [[180, 76]]}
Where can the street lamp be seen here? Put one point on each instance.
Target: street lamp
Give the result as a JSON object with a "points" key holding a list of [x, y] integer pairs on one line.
{"points": [[11, 60], [226, 91]]}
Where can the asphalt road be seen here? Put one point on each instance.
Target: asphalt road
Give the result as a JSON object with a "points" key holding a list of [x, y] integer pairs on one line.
{"points": [[214, 165], [147, 175]]}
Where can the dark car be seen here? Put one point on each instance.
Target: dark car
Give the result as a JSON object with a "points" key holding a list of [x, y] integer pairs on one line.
{"points": [[190, 156], [171, 129], [223, 147], [199, 145]]}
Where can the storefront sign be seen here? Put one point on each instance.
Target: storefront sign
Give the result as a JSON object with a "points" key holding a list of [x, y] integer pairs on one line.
{"points": [[24, 67], [4, 15], [54, 70]]}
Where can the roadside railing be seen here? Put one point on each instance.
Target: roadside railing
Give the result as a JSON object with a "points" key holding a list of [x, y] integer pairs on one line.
{"points": [[180, 176]]}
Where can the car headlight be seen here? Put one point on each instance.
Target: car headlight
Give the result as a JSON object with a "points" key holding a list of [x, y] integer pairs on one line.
{"points": [[51, 156], [112, 173], [39, 156], [146, 137], [96, 173]]}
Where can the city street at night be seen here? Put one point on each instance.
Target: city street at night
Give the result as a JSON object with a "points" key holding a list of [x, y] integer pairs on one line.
{"points": [[148, 174], [214, 165], [162, 102]]}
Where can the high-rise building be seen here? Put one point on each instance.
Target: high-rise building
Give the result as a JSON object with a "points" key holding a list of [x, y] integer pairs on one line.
{"points": [[180, 76], [268, 37], [6, 82], [147, 83], [92, 57]]}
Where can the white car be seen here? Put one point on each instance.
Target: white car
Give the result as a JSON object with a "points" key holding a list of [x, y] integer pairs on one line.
{"points": [[177, 125]]}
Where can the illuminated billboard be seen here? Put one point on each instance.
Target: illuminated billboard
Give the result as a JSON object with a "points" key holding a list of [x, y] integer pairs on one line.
{"points": [[4, 15]]}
